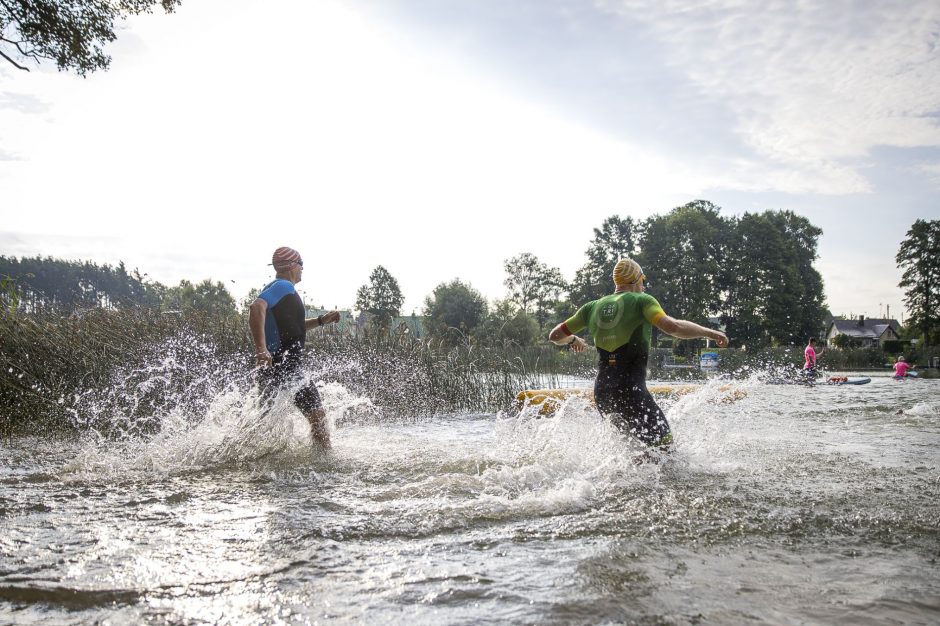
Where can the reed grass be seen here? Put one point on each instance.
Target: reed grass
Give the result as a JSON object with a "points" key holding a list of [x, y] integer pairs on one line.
{"points": [[50, 365]]}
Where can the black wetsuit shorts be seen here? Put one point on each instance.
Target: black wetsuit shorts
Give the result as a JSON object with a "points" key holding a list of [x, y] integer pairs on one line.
{"points": [[621, 394], [286, 373]]}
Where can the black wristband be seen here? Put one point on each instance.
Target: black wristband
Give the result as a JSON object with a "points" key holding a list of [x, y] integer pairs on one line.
{"points": [[319, 320]]}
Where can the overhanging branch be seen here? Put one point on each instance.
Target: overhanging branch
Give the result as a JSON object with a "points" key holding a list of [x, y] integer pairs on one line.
{"points": [[15, 64]]}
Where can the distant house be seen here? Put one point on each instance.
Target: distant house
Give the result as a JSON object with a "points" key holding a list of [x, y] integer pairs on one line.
{"points": [[409, 325], [864, 332]]}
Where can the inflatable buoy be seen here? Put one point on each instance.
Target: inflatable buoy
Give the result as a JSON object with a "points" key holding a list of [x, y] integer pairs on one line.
{"points": [[550, 400]]}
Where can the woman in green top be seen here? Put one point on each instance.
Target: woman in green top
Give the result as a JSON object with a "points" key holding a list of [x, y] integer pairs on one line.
{"points": [[621, 325]]}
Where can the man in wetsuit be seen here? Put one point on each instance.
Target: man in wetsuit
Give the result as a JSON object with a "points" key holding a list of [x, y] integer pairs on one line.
{"points": [[621, 325], [279, 327]]}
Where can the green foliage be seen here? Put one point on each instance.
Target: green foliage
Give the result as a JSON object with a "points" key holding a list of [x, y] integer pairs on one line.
{"points": [[614, 240], [919, 259], [533, 286], [895, 346], [508, 325], [205, 297], [9, 297], [49, 363], [851, 358], [454, 306], [381, 297], [756, 273], [844, 342], [683, 254], [773, 294], [248, 300], [73, 34]]}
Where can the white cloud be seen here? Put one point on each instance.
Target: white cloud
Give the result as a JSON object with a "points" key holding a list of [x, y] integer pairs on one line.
{"points": [[814, 86]]}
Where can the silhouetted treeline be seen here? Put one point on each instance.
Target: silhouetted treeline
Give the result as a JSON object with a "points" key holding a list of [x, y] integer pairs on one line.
{"points": [[45, 284]]}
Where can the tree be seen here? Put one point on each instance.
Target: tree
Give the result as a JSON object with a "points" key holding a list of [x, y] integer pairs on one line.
{"points": [[248, 300], [73, 33], [380, 297], [773, 295], [615, 239], [919, 259], [454, 305], [844, 342], [45, 283], [533, 285], [207, 297], [683, 253], [507, 325]]}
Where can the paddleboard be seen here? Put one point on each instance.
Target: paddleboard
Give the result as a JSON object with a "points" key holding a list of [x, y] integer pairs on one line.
{"points": [[550, 400], [845, 380]]}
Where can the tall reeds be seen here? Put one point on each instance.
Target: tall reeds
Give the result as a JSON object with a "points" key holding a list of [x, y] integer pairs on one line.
{"points": [[50, 365]]}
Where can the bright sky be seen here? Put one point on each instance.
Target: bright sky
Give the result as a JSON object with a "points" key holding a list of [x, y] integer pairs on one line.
{"points": [[439, 139]]}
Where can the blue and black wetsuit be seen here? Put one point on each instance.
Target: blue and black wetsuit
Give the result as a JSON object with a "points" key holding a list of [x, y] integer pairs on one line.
{"points": [[285, 332]]}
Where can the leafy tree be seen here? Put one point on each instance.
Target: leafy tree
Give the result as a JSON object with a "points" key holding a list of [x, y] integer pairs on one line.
{"points": [[72, 33], [507, 325], [381, 297], [533, 285], [248, 300], [773, 295], [207, 297], [683, 253], [844, 342], [919, 258], [616, 238], [454, 305]]}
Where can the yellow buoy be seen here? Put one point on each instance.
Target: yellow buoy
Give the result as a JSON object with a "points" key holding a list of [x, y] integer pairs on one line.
{"points": [[550, 400]]}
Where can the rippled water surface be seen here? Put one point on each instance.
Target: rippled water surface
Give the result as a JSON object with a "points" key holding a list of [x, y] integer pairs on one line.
{"points": [[794, 505]]}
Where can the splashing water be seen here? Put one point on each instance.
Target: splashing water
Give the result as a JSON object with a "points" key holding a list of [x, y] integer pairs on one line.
{"points": [[188, 499]]}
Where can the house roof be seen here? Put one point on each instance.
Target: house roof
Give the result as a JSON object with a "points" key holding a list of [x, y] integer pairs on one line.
{"points": [[870, 328]]}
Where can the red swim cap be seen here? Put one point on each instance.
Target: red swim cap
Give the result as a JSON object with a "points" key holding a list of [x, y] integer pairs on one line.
{"points": [[283, 258]]}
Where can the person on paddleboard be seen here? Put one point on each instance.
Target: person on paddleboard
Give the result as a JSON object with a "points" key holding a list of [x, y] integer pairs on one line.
{"points": [[621, 325], [901, 368], [809, 357], [278, 327]]}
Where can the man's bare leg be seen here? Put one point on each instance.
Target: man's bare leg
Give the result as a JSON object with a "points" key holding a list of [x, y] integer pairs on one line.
{"points": [[318, 428]]}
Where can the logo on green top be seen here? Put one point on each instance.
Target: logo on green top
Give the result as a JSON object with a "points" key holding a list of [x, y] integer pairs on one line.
{"points": [[610, 313]]}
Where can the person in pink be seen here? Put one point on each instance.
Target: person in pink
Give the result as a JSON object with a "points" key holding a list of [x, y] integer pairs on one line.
{"points": [[901, 367], [809, 367]]}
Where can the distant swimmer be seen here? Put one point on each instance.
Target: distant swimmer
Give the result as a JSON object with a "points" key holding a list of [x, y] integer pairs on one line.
{"points": [[810, 354], [901, 368], [278, 327], [621, 325]]}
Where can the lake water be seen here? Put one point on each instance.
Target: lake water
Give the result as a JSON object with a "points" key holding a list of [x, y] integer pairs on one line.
{"points": [[794, 505]]}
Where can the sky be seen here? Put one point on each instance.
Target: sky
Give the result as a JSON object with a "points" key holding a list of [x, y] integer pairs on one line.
{"points": [[439, 139]]}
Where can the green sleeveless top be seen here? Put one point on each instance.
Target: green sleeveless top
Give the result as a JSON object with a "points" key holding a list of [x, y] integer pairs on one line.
{"points": [[618, 319]]}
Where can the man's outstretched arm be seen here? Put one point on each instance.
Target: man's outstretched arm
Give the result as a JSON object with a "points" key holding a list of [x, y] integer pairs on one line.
{"points": [[684, 329]]}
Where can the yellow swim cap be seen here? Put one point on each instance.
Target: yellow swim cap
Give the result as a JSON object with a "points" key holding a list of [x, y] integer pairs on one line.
{"points": [[627, 272]]}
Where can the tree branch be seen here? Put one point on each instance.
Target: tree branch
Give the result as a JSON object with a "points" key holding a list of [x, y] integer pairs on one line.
{"points": [[15, 64]]}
